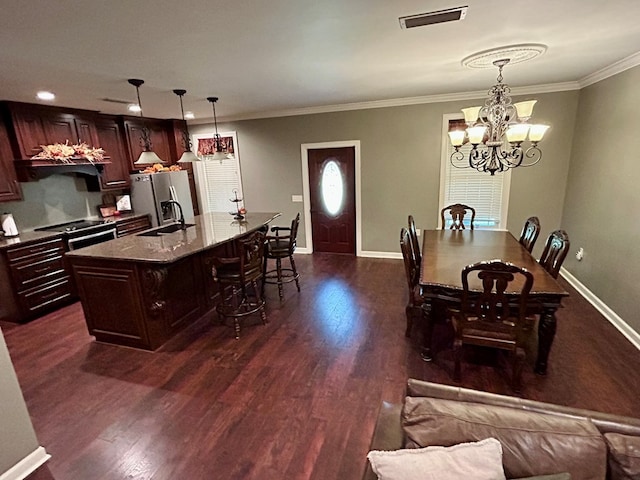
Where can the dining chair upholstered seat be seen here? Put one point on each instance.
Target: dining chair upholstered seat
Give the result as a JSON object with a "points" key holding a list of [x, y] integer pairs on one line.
{"points": [[487, 318], [415, 245], [278, 247], [530, 233], [555, 251], [457, 212], [239, 273], [412, 271]]}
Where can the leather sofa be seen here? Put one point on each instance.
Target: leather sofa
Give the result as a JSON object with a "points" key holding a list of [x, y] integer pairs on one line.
{"points": [[537, 438]]}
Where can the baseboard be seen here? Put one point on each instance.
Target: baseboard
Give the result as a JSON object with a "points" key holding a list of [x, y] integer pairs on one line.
{"points": [[27, 465], [373, 254], [608, 313], [304, 250]]}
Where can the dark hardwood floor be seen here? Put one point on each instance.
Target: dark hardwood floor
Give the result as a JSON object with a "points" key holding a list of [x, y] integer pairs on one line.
{"points": [[294, 399]]}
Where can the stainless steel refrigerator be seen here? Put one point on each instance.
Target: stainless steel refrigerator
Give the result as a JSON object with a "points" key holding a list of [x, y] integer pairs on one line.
{"points": [[151, 191]]}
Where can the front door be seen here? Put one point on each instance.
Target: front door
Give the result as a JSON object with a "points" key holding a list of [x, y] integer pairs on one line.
{"points": [[332, 199]]}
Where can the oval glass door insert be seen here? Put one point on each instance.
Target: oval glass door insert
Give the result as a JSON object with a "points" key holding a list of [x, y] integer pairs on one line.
{"points": [[332, 187]]}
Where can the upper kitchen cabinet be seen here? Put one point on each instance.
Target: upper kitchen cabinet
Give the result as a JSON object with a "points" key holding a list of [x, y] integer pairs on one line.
{"points": [[159, 134], [32, 126], [9, 186], [110, 132]]}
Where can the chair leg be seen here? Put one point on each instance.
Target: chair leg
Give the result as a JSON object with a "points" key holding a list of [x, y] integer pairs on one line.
{"points": [[236, 326], [264, 270], [409, 314], [260, 299], [279, 274], [518, 363], [295, 272], [457, 355]]}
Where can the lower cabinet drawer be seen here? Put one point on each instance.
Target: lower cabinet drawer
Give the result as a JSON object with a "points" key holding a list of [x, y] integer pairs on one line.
{"points": [[129, 227], [28, 275], [46, 295]]}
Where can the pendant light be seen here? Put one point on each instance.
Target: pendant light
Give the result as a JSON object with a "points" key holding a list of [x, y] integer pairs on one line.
{"points": [[219, 154], [147, 157], [188, 156]]}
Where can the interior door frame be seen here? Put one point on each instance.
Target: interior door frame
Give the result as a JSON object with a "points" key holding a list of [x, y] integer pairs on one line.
{"points": [[304, 154]]}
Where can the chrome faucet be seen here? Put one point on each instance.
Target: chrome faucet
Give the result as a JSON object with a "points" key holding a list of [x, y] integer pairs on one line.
{"points": [[165, 207]]}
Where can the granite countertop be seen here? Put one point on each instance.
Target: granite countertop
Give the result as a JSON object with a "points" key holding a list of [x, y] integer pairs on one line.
{"points": [[209, 230], [30, 236], [26, 237]]}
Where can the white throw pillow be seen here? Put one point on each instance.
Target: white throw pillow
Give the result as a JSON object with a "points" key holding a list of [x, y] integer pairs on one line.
{"points": [[466, 461]]}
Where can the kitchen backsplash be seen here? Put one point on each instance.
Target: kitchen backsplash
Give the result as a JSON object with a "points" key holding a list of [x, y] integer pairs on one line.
{"points": [[52, 200]]}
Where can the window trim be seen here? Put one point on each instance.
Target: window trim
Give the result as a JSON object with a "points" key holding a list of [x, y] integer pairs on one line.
{"points": [[444, 159]]}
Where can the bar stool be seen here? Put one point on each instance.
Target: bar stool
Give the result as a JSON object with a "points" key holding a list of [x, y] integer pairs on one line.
{"points": [[278, 247], [238, 273]]}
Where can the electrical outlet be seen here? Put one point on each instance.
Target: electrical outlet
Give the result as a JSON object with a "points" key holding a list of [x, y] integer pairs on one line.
{"points": [[580, 254], [296, 198], [418, 231]]}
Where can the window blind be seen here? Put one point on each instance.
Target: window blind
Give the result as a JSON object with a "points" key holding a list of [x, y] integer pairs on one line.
{"points": [[478, 190], [219, 181]]}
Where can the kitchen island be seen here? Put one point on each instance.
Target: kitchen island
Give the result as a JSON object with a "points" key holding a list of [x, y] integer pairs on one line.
{"points": [[140, 290]]}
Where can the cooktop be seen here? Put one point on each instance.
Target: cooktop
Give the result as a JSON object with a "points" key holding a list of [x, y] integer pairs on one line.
{"points": [[71, 226]]}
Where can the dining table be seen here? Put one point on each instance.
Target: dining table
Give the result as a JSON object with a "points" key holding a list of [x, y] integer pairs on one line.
{"points": [[446, 252]]}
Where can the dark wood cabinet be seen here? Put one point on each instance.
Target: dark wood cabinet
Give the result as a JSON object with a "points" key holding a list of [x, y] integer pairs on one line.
{"points": [[35, 278], [28, 129], [9, 186], [35, 125], [159, 134], [131, 226], [115, 176]]}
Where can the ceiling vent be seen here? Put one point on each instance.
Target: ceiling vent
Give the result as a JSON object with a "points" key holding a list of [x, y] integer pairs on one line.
{"points": [[440, 16]]}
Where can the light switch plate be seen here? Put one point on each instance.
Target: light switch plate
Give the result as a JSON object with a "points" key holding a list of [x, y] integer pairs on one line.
{"points": [[296, 198]]}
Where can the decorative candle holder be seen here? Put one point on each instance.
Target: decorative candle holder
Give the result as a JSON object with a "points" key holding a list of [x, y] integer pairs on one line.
{"points": [[237, 214]]}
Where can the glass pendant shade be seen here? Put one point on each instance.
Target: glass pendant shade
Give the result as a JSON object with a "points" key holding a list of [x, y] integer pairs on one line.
{"points": [[525, 109], [517, 133], [476, 134], [536, 132], [457, 137], [147, 156], [219, 154], [188, 156], [471, 114]]}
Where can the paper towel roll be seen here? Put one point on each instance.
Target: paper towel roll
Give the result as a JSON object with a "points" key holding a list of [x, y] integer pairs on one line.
{"points": [[9, 225]]}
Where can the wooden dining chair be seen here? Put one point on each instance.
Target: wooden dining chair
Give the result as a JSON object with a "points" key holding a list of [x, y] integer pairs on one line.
{"points": [[415, 245], [530, 233], [457, 212], [412, 271], [486, 317], [555, 251]]}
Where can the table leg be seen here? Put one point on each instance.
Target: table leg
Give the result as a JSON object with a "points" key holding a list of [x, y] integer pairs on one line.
{"points": [[546, 334], [427, 330]]}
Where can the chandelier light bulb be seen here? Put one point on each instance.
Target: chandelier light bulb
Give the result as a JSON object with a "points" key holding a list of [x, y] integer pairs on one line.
{"points": [[517, 133], [476, 134]]}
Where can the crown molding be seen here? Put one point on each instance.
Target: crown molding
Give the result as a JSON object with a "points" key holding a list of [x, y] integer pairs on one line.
{"points": [[613, 69], [397, 102]]}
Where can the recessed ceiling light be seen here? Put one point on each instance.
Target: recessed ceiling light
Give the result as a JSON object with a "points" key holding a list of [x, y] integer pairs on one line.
{"points": [[189, 115], [44, 95], [134, 107]]}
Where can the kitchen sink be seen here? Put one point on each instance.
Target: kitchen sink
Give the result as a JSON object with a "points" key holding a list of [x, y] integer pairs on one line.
{"points": [[173, 227]]}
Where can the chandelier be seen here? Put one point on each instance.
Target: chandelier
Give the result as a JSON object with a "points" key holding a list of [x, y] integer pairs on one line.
{"points": [[492, 126]]}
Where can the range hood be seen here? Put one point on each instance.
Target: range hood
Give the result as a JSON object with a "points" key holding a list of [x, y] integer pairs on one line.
{"points": [[35, 169]]}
